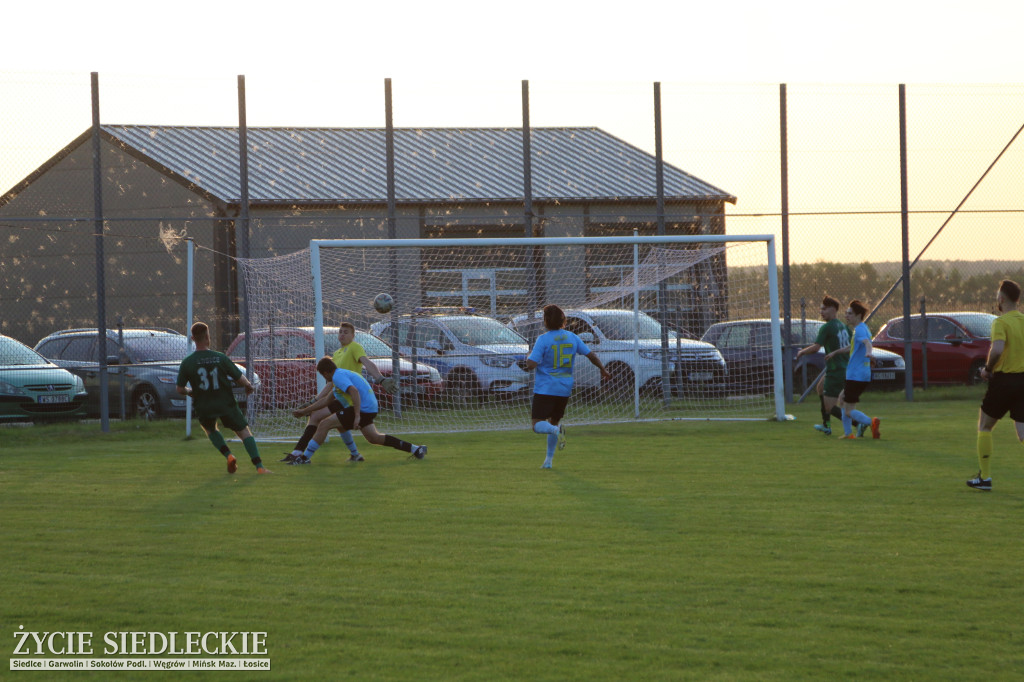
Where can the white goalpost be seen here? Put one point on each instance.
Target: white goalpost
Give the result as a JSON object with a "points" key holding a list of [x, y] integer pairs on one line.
{"points": [[467, 311]]}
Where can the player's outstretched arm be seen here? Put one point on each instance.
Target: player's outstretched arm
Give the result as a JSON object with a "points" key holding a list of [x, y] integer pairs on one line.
{"points": [[813, 348], [837, 351], [372, 369], [321, 401], [596, 361]]}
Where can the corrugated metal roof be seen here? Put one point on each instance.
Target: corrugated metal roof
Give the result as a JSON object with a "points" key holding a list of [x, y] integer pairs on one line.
{"points": [[432, 165]]}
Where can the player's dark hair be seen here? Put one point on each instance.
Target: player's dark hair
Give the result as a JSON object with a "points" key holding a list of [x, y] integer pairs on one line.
{"points": [[859, 308], [830, 302], [1010, 289], [325, 367], [201, 331], [554, 318]]}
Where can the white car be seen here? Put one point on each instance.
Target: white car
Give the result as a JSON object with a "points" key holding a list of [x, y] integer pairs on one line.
{"points": [[478, 357], [630, 347]]}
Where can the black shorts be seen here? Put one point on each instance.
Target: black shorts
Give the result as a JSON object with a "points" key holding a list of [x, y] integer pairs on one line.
{"points": [[1005, 393], [347, 417], [853, 390], [549, 407], [335, 406]]}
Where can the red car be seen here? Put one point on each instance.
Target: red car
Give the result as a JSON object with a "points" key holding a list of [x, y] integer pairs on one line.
{"points": [[287, 359], [957, 345]]}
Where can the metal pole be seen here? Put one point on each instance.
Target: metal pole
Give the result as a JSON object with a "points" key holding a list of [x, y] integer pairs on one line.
{"points": [[242, 229], [659, 180], [389, 150], [787, 359], [924, 345], [527, 165], [101, 293], [908, 355], [120, 367], [636, 327], [528, 216], [803, 336], [191, 247]]}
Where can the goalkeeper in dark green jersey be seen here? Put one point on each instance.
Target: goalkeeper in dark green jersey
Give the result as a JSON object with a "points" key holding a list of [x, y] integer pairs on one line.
{"points": [[209, 376]]}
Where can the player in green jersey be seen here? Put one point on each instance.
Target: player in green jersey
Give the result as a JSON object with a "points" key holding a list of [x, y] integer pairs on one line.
{"points": [[209, 377]]}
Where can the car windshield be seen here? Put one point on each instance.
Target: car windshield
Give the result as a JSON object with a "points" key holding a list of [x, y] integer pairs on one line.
{"points": [[13, 353], [978, 324], [374, 347], [157, 348], [618, 326], [482, 331]]}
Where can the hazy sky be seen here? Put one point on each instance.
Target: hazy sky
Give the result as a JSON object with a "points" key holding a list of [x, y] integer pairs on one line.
{"points": [[737, 41], [459, 63]]}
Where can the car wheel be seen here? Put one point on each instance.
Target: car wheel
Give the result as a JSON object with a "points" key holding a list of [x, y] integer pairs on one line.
{"points": [[622, 380], [146, 403], [974, 373], [652, 389], [462, 389]]}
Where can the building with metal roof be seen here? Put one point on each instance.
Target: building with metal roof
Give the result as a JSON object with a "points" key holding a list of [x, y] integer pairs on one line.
{"points": [[160, 183]]}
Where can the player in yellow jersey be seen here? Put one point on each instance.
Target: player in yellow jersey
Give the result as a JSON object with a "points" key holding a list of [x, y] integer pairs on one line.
{"points": [[1004, 371]]}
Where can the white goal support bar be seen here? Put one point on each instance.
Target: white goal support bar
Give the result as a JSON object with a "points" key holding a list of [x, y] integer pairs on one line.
{"points": [[769, 240]]}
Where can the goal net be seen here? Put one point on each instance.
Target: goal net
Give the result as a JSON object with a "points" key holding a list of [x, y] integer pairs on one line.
{"points": [[467, 312]]}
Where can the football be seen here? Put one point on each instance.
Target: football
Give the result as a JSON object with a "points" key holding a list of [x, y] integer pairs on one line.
{"points": [[383, 303]]}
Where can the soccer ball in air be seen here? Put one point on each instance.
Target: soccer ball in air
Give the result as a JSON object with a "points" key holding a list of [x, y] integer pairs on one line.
{"points": [[383, 303]]}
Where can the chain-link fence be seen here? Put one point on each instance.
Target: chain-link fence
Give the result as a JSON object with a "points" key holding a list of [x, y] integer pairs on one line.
{"points": [[109, 208]]}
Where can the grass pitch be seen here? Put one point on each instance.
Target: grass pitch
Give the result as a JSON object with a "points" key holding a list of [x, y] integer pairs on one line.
{"points": [[655, 551]]}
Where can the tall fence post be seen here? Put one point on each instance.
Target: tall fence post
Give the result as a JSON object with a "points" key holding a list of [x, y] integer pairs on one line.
{"points": [[243, 219], [101, 287], [908, 355], [659, 177], [389, 154], [787, 359], [537, 256]]}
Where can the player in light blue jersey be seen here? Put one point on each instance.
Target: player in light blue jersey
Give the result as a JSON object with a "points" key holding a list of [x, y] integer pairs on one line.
{"points": [[553, 356], [858, 373], [346, 384]]}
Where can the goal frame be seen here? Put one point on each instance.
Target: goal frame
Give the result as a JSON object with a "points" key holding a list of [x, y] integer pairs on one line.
{"points": [[769, 240]]}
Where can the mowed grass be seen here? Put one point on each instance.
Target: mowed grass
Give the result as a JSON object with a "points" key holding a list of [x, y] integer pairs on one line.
{"points": [[653, 551]]}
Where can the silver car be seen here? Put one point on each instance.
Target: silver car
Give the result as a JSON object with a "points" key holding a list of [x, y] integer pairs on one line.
{"points": [[478, 357]]}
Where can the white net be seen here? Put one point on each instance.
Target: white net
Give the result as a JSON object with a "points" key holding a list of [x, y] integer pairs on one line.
{"points": [[466, 313]]}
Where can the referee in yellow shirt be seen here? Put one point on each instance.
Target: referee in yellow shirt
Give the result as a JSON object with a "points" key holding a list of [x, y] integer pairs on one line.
{"points": [[1004, 371]]}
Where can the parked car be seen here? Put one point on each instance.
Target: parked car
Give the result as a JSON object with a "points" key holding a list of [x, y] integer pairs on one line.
{"points": [[145, 365], [33, 388], [957, 345], [746, 345], [286, 361], [478, 357], [696, 365]]}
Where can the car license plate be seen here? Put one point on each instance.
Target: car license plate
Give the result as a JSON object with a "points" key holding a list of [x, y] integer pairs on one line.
{"points": [[884, 376], [51, 399], [702, 376]]}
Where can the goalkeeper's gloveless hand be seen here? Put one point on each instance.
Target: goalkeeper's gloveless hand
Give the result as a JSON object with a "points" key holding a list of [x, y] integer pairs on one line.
{"points": [[388, 384]]}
